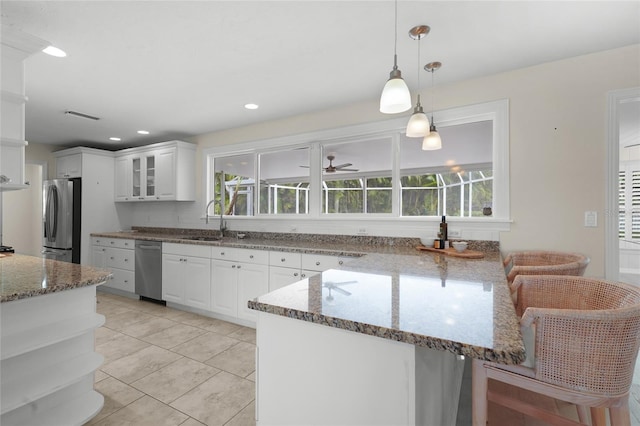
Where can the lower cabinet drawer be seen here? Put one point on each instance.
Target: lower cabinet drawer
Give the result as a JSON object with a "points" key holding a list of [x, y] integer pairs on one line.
{"points": [[118, 258], [122, 280]]}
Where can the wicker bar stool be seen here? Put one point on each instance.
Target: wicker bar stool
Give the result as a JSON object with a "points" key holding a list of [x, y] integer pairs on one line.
{"points": [[582, 337], [541, 262]]}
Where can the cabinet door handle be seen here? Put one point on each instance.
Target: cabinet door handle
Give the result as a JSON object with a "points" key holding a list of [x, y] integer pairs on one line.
{"points": [[303, 275], [317, 263], [233, 266], [239, 266], [283, 259], [340, 262], [126, 260], [295, 274], [221, 253], [126, 281], [111, 257], [251, 257]]}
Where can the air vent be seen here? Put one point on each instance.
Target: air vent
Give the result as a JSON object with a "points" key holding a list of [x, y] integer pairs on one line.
{"points": [[79, 114]]}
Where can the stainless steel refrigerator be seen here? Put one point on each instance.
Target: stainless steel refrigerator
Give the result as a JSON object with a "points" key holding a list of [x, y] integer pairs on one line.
{"points": [[61, 217]]}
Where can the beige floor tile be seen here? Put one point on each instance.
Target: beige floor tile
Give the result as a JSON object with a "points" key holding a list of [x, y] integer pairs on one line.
{"points": [[120, 345], [148, 326], [174, 380], [205, 346], [192, 422], [246, 417], [251, 377], [104, 334], [239, 359], [99, 375], [116, 395], [245, 334], [221, 327], [146, 411], [121, 321], [173, 336], [139, 364], [108, 308], [217, 400]]}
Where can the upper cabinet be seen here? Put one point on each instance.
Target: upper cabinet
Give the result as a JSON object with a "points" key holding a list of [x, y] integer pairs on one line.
{"points": [[16, 46], [158, 172], [69, 166]]}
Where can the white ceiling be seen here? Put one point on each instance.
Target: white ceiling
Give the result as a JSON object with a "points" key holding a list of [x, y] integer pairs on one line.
{"points": [[182, 68]]}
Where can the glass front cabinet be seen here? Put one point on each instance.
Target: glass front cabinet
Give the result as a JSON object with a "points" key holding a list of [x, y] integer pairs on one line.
{"points": [[157, 172]]}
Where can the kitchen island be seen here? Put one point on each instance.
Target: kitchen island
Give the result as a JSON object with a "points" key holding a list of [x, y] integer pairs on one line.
{"points": [[380, 340], [47, 359]]}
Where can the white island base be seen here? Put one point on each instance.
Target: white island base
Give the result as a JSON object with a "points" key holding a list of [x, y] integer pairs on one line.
{"points": [[314, 374], [48, 360]]}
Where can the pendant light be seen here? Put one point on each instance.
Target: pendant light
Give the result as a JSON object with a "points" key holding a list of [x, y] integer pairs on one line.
{"points": [[432, 140], [418, 125], [395, 96]]}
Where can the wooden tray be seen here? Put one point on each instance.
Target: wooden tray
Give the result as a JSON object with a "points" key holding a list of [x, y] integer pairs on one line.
{"points": [[467, 254]]}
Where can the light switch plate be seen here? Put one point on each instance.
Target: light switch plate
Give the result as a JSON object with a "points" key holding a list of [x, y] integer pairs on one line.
{"points": [[591, 219]]}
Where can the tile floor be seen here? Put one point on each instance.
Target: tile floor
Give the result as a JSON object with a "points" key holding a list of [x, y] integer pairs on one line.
{"points": [[168, 367]]}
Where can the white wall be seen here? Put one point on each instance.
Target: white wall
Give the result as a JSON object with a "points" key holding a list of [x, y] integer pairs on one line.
{"points": [[557, 147]]}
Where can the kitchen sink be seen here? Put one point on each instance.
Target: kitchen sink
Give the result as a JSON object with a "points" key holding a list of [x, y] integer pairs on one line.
{"points": [[203, 238]]}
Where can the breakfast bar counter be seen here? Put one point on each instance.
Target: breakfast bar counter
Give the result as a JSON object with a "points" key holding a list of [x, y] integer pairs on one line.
{"points": [[47, 358], [379, 341]]}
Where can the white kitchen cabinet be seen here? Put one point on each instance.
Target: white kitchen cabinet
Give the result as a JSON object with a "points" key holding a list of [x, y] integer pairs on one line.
{"points": [[117, 255], [298, 266], [186, 275], [69, 166], [158, 172], [224, 287], [123, 173], [237, 276], [98, 210]]}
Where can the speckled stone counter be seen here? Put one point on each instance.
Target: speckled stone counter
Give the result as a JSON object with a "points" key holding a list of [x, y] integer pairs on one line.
{"points": [[391, 290], [26, 276]]}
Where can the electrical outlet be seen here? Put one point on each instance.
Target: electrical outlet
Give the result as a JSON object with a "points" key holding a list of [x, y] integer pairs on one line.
{"points": [[454, 233], [362, 231]]}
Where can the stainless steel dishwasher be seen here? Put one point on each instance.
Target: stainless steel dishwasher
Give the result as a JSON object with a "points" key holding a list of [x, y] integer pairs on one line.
{"points": [[149, 270]]}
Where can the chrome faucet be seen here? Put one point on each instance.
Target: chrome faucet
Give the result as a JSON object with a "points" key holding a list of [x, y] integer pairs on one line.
{"points": [[206, 211], [223, 224]]}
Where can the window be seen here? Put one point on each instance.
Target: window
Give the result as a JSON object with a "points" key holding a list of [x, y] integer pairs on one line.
{"points": [[356, 176], [456, 180], [233, 185], [372, 171], [284, 192]]}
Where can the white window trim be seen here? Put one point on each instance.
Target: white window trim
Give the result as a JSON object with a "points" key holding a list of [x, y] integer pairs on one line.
{"points": [[484, 228]]}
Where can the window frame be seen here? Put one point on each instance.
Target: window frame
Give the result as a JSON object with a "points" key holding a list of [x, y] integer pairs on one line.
{"points": [[496, 111]]}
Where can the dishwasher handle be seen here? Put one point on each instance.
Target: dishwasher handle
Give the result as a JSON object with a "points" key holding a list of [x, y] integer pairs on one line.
{"points": [[148, 247]]}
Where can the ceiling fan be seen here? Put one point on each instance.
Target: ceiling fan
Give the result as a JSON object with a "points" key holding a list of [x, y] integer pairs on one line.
{"points": [[339, 168]]}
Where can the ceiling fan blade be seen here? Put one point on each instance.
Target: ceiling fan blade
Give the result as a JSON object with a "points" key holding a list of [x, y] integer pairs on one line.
{"points": [[306, 167], [342, 165], [348, 170], [633, 144]]}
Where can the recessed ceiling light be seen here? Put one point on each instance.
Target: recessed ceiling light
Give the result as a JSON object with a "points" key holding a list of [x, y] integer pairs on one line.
{"points": [[143, 132], [251, 106], [54, 51], [115, 139]]}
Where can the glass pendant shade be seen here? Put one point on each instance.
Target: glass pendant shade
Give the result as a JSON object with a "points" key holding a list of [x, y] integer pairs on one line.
{"points": [[418, 125], [395, 96], [432, 141]]}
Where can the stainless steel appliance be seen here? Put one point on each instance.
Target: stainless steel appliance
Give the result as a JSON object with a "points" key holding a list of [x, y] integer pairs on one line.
{"points": [[61, 203], [149, 270]]}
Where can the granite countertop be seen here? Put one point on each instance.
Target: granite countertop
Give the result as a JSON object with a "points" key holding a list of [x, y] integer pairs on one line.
{"points": [[391, 291], [27, 276]]}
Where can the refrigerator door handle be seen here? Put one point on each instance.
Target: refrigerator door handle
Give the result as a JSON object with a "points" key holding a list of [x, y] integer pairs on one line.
{"points": [[54, 197]]}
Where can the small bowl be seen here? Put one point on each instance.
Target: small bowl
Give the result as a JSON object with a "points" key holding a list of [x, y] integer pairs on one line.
{"points": [[460, 246], [427, 242]]}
